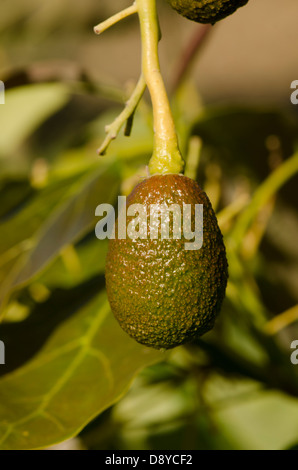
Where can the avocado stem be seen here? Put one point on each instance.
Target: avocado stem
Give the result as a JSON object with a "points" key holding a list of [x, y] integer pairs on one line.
{"points": [[166, 156], [101, 27], [113, 129]]}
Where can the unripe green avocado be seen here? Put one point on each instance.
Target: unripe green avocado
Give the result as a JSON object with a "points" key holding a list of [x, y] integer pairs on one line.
{"points": [[161, 293], [206, 11]]}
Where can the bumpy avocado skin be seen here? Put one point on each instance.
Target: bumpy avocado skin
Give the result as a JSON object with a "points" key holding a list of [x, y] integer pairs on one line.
{"points": [[206, 11], [162, 294]]}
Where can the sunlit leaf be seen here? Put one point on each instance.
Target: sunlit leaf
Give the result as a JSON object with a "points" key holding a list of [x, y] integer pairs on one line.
{"points": [[86, 366]]}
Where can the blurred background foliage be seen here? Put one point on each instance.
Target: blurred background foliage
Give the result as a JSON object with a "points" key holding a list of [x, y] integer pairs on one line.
{"points": [[70, 371]]}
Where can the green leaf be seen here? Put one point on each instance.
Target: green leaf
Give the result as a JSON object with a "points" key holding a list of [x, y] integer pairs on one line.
{"points": [[262, 195], [18, 230], [85, 367], [25, 109], [66, 225], [65, 272], [32, 212], [267, 421], [25, 337]]}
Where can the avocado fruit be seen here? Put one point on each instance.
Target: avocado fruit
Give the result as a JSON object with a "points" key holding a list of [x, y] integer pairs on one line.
{"points": [[206, 11], [162, 294]]}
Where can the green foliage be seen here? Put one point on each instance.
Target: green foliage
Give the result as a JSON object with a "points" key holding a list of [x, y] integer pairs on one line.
{"points": [[70, 370], [78, 373], [64, 349]]}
